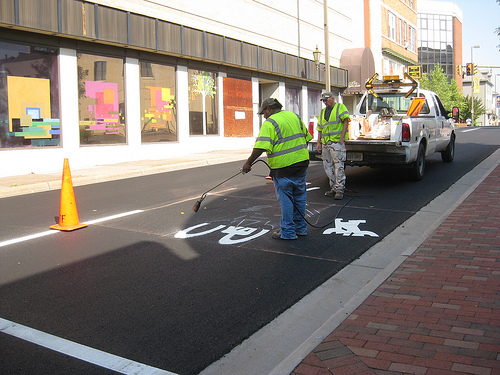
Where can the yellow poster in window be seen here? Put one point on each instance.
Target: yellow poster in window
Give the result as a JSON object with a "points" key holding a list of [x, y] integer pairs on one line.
{"points": [[29, 99]]}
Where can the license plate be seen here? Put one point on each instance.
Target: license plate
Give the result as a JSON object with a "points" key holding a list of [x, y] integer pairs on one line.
{"points": [[354, 156]]}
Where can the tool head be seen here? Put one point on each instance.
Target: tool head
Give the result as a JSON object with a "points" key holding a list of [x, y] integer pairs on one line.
{"points": [[196, 206]]}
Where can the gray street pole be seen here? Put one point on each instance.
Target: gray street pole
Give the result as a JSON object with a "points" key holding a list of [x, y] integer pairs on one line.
{"points": [[472, 83], [327, 50], [497, 100]]}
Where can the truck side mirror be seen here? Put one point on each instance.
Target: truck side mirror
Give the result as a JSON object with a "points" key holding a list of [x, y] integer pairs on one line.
{"points": [[455, 113]]}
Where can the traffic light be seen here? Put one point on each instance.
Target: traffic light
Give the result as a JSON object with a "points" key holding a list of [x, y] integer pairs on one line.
{"points": [[474, 69], [469, 69], [459, 70]]}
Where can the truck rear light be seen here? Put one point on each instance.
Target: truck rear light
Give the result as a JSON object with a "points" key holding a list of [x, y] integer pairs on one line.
{"points": [[311, 127], [405, 132]]}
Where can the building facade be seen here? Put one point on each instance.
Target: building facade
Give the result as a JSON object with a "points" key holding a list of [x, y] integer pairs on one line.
{"points": [[399, 36], [483, 89], [103, 82], [440, 38]]}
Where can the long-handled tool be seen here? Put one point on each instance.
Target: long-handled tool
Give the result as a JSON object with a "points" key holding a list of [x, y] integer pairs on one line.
{"points": [[197, 205]]}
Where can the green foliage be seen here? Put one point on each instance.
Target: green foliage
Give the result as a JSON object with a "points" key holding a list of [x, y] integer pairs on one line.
{"points": [[450, 93], [478, 108]]}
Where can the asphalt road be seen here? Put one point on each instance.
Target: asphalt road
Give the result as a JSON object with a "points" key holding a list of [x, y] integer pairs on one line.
{"points": [[162, 286]]}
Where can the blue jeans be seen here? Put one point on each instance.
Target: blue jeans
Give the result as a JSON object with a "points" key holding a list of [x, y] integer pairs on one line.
{"points": [[288, 190]]}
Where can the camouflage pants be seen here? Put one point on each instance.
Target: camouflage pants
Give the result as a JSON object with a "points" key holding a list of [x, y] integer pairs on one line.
{"points": [[333, 155]]}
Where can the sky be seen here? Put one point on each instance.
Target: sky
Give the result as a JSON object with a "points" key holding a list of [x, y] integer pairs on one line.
{"points": [[480, 19]]}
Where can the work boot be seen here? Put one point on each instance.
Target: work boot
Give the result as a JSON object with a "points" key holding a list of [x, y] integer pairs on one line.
{"points": [[277, 235], [330, 193], [339, 195]]}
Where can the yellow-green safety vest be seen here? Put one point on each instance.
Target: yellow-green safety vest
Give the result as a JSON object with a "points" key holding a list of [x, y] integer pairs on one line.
{"points": [[284, 137], [332, 129]]}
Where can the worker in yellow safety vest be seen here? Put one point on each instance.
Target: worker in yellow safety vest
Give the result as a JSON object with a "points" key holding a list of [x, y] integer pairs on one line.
{"points": [[284, 137], [333, 122]]}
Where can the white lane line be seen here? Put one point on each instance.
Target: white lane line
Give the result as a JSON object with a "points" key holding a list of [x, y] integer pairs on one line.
{"points": [[46, 233], [81, 352], [112, 217], [469, 130], [26, 238]]}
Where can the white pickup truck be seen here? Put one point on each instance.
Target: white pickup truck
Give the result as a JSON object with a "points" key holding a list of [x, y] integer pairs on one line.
{"points": [[397, 124]]}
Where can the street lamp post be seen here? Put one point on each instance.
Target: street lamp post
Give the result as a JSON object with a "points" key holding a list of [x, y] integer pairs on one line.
{"points": [[327, 50], [472, 83], [317, 52], [497, 101]]}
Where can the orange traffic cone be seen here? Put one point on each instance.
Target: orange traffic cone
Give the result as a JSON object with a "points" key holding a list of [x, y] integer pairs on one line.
{"points": [[68, 213]]}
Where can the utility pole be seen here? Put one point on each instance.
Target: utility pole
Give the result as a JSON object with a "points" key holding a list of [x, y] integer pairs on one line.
{"points": [[472, 83], [327, 50]]}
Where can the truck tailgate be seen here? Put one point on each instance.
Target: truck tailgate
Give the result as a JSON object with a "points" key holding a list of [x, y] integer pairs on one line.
{"points": [[375, 152]]}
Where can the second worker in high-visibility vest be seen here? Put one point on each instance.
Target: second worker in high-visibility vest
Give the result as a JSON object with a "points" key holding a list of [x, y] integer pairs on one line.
{"points": [[333, 122]]}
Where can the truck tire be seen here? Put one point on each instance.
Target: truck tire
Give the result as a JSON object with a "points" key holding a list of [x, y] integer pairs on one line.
{"points": [[417, 169], [449, 152]]}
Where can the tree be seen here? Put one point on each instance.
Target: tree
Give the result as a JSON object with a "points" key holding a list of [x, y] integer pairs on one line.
{"points": [[478, 108], [449, 93]]}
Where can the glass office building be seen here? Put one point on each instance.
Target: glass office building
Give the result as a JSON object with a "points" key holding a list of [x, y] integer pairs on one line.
{"points": [[440, 37]]}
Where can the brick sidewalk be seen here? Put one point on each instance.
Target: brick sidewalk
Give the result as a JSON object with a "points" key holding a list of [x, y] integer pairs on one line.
{"points": [[438, 313]]}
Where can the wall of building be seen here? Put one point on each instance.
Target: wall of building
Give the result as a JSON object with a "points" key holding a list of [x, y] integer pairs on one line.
{"points": [[102, 68], [485, 94], [375, 44], [293, 27], [457, 49], [399, 49], [440, 31]]}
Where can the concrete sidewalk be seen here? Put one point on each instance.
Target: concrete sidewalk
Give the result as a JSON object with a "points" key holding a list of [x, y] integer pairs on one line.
{"points": [[25, 184], [438, 312]]}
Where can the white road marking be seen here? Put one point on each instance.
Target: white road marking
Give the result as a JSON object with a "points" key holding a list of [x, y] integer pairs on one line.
{"points": [[112, 217], [469, 130], [46, 233], [81, 352], [313, 188], [26, 238]]}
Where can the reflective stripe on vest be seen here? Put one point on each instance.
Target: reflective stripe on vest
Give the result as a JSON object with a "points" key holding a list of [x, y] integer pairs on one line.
{"points": [[336, 128], [285, 145], [286, 139]]}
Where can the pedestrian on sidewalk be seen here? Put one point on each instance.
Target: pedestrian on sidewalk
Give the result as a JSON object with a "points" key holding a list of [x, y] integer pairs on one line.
{"points": [[284, 137], [332, 126]]}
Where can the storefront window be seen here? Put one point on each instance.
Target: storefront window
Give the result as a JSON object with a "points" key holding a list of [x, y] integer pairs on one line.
{"points": [[202, 103], [238, 107], [313, 103], [101, 100], [158, 104], [29, 96], [293, 99]]}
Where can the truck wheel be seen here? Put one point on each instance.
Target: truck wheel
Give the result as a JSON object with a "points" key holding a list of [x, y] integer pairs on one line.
{"points": [[417, 169], [449, 152]]}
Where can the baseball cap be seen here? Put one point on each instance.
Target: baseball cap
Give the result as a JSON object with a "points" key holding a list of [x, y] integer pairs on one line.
{"points": [[269, 102], [326, 95]]}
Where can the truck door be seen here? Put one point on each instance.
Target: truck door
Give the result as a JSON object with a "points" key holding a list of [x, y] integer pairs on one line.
{"points": [[431, 125], [444, 126]]}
